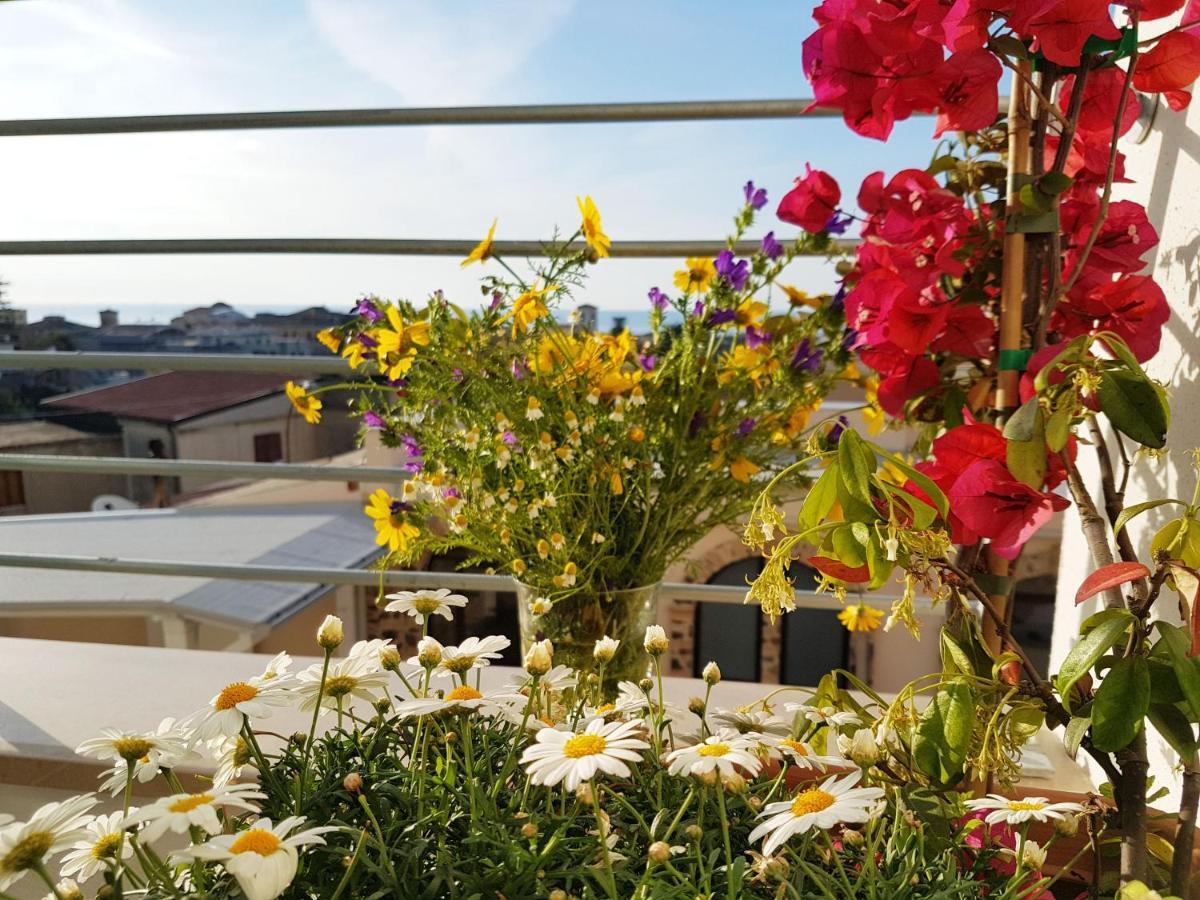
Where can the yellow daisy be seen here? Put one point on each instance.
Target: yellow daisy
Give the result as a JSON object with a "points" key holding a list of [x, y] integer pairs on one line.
{"points": [[797, 297], [861, 617], [528, 308], [697, 276], [392, 530], [483, 250], [305, 403], [596, 239], [329, 339], [741, 469]]}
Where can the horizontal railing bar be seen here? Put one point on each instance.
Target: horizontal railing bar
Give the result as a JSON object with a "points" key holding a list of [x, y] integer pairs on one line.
{"points": [[367, 247], [174, 362], [533, 114], [36, 462], [458, 581]]}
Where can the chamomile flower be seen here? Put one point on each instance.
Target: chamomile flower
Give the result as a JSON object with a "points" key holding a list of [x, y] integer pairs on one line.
{"points": [[66, 889], [97, 849], [162, 756], [724, 753], [131, 746], [462, 698], [835, 801], [263, 858], [571, 759], [354, 676], [179, 812], [472, 653], [276, 668], [51, 829], [232, 756], [423, 604], [238, 701], [1017, 812]]}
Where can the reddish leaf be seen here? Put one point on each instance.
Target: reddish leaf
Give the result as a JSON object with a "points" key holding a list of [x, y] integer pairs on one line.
{"points": [[1187, 582], [1171, 65], [835, 568], [1109, 577]]}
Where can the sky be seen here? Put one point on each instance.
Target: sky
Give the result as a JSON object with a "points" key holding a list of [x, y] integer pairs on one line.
{"points": [[650, 181]]}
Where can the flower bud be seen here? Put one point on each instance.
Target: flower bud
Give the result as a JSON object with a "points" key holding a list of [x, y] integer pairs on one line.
{"points": [[389, 658], [353, 782], [584, 794], [694, 832], [656, 642], [709, 778], [1033, 856], [852, 838], [538, 659], [755, 803], [734, 783], [659, 852], [863, 749], [696, 705], [605, 649], [711, 674], [382, 706], [646, 685], [429, 652], [529, 831], [558, 894], [450, 737], [1067, 826], [330, 635]]}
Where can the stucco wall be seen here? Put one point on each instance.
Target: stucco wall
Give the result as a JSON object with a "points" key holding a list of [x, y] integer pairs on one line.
{"points": [[54, 492]]}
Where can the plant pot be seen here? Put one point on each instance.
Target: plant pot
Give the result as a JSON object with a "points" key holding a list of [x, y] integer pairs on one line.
{"points": [[575, 622]]}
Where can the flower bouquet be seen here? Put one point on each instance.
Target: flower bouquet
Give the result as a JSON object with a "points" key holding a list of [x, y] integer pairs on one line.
{"points": [[583, 463], [439, 777]]}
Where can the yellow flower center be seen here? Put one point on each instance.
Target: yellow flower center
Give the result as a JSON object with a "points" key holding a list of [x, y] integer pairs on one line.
{"points": [[27, 852], [337, 686], [190, 802], [256, 840], [464, 692], [811, 801], [106, 847], [233, 694], [131, 748], [458, 663], [798, 748], [425, 605], [713, 750], [604, 708], [582, 745], [1025, 805]]}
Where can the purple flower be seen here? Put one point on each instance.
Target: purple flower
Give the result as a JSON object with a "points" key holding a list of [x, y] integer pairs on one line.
{"points": [[497, 299], [367, 309], [838, 303], [720, 317], [452, 492], [648, 361], [658, 299], [698, 422], [509, 438], [373, 419], [746, 426], [835, 433], [756, 197], [736, 272], [838, 223], [519, 369], [698, 309], [397, 382], [807, 357], [399, 506], [416, 455], [756, 338], [771, 248], [456, 375], [366, 340]]}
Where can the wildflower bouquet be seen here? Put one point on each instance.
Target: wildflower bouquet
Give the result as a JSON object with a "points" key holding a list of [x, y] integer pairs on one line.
{"points": [[434, 777], [584, 463]]}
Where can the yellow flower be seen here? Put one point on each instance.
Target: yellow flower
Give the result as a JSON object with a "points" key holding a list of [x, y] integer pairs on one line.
{"points": [[860, 617], [355, 351], [615, 484], [543, 548], [798, 418], [872, 413], [330, 340], [636, 434], [798, 297], [392, 531], [398, 344], [742, 469], [596, 239], [749, 312], [757, 364], [697, 276], [518, 566], [528, 308], [305, 403], [483, 249]]}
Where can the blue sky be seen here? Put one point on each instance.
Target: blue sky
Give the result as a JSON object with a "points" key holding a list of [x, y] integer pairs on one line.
{"points": [[675, 180]]}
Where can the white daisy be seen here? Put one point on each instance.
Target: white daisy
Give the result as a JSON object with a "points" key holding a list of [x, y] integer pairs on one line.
{"points": [[67, 889], [232, 755], [558, 679], [357, 676], [1016, 812], [97, 850], [560, 756], [133, 746], [799, 753], [757, 719], [52, 828], [825, 715], [162, 756], [240, 700], [471, 653], [262, 858], [724, 752], [422, 604], [276, 668], [835, 801], [179, 812], [462, 698]]}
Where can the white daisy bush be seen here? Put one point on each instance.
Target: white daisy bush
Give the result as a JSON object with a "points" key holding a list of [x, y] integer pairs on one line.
{"points": [[422, 772]]}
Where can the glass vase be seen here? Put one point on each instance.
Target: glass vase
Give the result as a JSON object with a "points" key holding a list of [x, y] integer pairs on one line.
{"points": [[574, 624]]}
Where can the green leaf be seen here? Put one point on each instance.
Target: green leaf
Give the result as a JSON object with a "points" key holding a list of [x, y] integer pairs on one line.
{"points": [[821, 497], [1058, 427], [855, 469], [846, 548], [943, 735], [1121, 703], [943, 164], [1088, 650], [923, 481], [1021, 426], [1134, 407], [1164, 685], [923, 515], [1075, 731], [1026, 459], [1055, 183], [1169, 721], [1174, 640], [1074, 349], [1131, 512], [861, 533], [1102, 616], [1033, 200]]}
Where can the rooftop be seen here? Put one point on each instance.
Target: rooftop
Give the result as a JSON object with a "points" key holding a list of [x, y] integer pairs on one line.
{"points": [[172, 396], [35, 433], [335, 535]]}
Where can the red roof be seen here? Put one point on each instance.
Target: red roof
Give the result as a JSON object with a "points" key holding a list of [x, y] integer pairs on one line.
{"points": [[172, 396]]}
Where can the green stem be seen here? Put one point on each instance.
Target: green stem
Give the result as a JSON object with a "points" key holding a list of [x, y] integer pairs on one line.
{"points": [[611, 886], [720, 789], [312, 731], [384, 856], [362, 840]]}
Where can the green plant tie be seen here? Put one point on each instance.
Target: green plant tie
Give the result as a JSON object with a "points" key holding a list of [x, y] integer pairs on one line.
{"points": [[1014, 360]]}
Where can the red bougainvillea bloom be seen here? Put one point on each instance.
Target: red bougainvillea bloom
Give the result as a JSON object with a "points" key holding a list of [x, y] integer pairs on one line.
{"points": [[1170, 65], [1154, 9], [1133, 307], [990, 501], [959, 448], [812, 202], [1101, 96], [1060, 29], [965, 91], [1124, 239], [902, 384]]}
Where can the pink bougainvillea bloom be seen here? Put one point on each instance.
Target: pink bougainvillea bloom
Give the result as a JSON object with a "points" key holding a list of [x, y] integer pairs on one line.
{"points": [[1124, 239], [1101, 96], [904, 383], [812, 202], [1133, 307], [966, 91], [991, 501], [1060, 29], [968, 332], [1170, 65]]}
